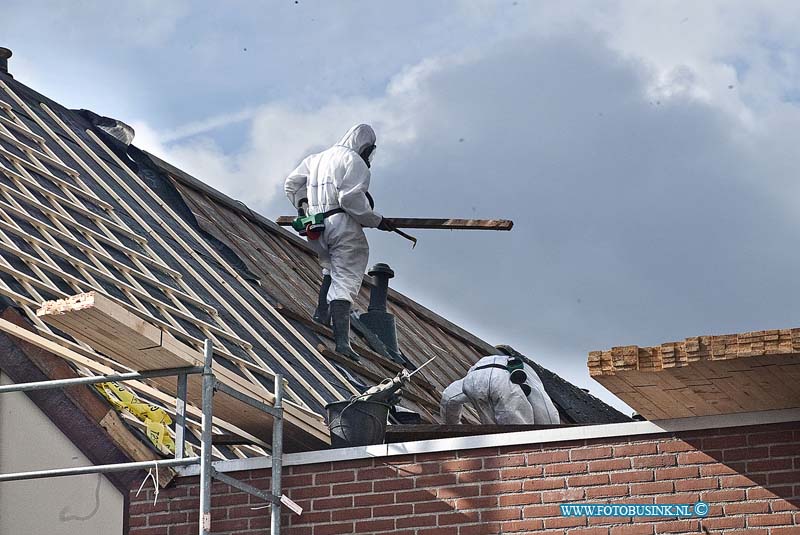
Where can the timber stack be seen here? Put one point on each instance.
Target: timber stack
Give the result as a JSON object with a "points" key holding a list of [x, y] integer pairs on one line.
{"points": [[704, 375]]}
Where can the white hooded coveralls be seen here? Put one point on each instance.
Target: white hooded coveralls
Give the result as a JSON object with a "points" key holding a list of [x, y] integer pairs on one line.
{"points": [[496, 399], [339, 178]]}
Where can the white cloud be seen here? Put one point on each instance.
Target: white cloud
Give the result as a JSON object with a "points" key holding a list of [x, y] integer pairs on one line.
{"points": [[206, 125], [280, 135], [199, 156], [691, 50]]}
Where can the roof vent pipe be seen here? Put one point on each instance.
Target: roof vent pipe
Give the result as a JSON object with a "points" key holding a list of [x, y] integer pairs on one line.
{"points": [[380, 292], [377, 319], [5, 53]]}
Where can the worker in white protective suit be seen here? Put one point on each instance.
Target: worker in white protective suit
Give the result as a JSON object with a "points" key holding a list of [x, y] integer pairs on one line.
{"points": [[335, 183], [503, 390]]}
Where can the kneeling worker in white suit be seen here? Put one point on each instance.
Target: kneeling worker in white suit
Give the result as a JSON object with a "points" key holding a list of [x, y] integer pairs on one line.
{"points": [[503, 390]]}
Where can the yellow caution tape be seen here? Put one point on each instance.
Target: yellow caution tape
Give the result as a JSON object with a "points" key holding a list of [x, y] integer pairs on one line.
{"points": [[155, 419]]}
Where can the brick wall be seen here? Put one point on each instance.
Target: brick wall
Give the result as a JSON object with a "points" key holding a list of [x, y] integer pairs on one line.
{"points": [[750, 476]]}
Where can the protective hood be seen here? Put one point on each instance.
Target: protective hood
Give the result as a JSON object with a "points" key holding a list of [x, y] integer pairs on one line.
{"points": [[358, 138]]}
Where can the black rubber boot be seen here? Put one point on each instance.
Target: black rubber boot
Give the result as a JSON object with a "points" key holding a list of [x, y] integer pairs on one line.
{"points": [[322, 314], [340, 314]]}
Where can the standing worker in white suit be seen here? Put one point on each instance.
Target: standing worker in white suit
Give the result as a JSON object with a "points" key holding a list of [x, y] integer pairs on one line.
{"points": [[335, 183]]}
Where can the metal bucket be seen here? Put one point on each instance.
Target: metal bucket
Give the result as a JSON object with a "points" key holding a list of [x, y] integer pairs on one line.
{"points": [[359, 423]]}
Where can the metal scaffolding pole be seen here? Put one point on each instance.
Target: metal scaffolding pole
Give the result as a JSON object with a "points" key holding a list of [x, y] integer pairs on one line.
{"points": [[205, 439], [97, 469], [180, 416], [277, 454], [95, 379]]}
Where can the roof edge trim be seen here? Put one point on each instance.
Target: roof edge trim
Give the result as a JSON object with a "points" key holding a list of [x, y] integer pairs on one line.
{"points": [[541, 436]]}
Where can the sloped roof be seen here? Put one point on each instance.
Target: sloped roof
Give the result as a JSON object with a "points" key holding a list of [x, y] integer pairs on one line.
{"points": [[288, 269], [289, 272], [80, 210]]}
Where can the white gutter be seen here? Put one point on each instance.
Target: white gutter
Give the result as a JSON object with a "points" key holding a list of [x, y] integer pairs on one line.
{"points": [[542, 436]]}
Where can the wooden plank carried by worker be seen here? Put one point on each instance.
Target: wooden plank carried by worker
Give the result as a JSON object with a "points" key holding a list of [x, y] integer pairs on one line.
{"points": [[108, 327], [433, 223], [704, 375]]}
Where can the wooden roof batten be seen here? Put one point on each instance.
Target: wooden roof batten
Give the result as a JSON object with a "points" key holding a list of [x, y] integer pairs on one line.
{"points": [[242, 300], [54, 233]]}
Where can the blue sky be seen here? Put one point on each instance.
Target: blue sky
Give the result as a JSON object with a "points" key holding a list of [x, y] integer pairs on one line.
{"points": [[646, 150]]}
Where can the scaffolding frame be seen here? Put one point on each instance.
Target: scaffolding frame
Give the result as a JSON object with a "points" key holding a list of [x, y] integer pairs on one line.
{"points": [[207, 472]]}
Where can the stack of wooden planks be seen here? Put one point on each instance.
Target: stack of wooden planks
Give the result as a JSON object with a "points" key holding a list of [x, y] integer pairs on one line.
{"points": [[111, 329], [704, 375], [133, 342]]}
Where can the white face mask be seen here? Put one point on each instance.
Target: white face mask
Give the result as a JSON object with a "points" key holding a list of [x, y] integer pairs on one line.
{"points": [[372, 155]]}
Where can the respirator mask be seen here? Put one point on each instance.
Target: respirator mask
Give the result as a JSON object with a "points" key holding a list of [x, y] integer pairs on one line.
{"points": [[516, 368]]}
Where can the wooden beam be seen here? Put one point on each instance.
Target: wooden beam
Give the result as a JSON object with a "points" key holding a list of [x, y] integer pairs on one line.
{"points": [[132, 445], [95, 319], [55, 348], [432, 223], [140, 345], [77, 410]]}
